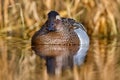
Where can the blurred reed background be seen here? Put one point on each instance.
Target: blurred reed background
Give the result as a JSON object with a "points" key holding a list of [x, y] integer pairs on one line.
{"points": [[100, 17], [19, 19]]}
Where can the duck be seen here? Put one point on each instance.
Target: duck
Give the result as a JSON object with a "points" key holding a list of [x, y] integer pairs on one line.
{"points": [[58, 30]]}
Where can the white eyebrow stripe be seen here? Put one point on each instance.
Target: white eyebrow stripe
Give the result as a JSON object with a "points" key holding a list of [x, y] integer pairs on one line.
{"points": [[58, 17]]}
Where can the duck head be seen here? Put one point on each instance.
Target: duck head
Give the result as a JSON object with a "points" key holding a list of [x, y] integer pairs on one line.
{"points": [[53, 18]]}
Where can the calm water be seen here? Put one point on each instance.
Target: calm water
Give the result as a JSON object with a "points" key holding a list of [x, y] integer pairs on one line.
{"points": [[57, 62]]}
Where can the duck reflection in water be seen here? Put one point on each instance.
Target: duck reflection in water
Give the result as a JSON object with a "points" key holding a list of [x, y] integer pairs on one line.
{"points": [[62, 42]]}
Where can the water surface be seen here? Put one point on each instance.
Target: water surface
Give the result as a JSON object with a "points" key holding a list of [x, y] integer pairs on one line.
{"points": [[19, 62]]}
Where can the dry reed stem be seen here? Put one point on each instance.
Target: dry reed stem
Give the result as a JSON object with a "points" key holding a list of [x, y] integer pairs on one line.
{"points": [[99, 17], [4, 68]]}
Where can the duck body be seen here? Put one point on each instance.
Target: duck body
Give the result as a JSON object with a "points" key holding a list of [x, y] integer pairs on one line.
{"points": [[57, 30], [57, 38]]}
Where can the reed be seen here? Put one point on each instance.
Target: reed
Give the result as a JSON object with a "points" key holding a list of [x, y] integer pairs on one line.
{"points": [[19, 19], [100, 17]]}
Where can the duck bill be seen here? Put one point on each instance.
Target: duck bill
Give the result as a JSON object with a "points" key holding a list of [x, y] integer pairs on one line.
{"points": [[51, 26]]}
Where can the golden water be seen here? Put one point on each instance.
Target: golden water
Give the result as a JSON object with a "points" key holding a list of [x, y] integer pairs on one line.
{"points": [[19, 62]]}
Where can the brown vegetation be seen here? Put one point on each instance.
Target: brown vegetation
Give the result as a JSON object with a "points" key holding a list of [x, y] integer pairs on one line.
{"points": [[21, 18], [100, 17]]}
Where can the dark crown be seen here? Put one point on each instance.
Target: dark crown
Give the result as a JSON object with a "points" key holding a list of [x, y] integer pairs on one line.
{"points": [[52, 14]]}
